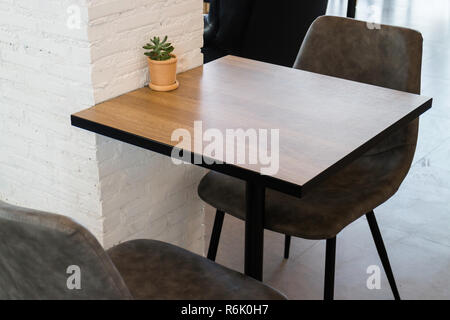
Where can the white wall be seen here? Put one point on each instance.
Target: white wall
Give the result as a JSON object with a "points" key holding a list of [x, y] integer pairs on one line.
{"points": [[45, 75], [118, 29], [143, 194], [47, 72]]}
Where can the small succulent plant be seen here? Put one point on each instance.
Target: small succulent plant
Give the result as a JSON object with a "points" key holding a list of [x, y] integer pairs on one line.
{"points": [[159, 50]]}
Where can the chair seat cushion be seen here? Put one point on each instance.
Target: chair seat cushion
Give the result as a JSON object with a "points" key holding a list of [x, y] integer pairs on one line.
{"points": [[325, 209], [157, 270]]}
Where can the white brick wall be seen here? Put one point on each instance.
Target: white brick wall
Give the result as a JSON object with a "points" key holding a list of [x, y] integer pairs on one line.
{"points": [[47, 72], [119, 29], [45, 75]]}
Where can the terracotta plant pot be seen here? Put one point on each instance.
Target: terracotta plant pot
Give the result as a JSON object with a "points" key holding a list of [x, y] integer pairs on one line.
{"points": [[163, 74]]}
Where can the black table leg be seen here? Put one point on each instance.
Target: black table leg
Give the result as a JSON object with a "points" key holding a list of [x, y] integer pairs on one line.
{"points": [[351, 9], [254, 230]]}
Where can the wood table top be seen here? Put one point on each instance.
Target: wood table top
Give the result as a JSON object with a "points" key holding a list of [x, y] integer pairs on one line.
{"points": [[324, 122]]}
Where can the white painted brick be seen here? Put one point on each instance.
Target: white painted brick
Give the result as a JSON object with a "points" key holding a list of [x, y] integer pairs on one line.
{"points": [[48, 71], [109, 8]]}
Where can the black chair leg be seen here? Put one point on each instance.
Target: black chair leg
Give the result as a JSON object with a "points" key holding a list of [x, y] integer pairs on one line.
{"points": [[215, 235], [287, 246], [351, 9], [330, 261], [376, 234]]}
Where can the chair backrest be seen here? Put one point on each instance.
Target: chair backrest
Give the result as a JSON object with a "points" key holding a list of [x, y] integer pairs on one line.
{"points": [[276, 29], [40, 254], [380, 55]]}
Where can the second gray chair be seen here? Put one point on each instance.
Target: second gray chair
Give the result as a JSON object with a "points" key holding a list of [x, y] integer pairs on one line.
{"points": [[389, 57], [37, 249]]}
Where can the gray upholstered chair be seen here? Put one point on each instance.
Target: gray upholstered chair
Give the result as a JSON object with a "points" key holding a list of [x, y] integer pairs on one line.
{"points": [[389, 57], [37, 248]]}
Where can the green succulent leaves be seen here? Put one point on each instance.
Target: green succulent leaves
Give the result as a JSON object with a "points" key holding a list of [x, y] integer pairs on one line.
{"points": [[159, 50]]}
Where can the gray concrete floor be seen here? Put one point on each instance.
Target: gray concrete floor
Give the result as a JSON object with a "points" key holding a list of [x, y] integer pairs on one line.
{"points": [[415, 223]]}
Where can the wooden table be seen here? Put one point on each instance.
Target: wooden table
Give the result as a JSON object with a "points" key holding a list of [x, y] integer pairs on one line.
{"points": [[325, 123]]}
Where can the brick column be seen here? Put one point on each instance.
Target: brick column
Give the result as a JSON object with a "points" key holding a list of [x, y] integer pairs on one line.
{"points": [[58, 57]]}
